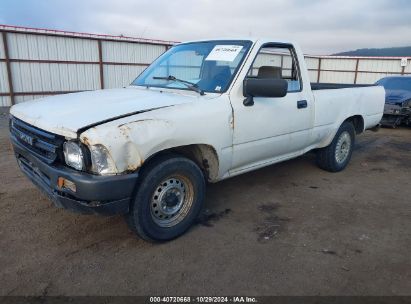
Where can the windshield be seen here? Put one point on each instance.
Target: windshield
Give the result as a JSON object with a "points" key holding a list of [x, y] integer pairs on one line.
{"points": [[403, 84], [208, 66]]}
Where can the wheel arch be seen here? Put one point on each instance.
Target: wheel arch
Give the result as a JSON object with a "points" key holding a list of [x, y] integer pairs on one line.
{"points": [[205, 156], [357, 121]]}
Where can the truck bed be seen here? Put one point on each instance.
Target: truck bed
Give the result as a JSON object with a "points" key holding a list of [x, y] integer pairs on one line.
{"points": [[332, 107], [331, 86]]}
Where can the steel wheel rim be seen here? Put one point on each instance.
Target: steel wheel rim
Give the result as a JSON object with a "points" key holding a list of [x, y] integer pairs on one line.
{"points": [[171, 201], [343, 147]]}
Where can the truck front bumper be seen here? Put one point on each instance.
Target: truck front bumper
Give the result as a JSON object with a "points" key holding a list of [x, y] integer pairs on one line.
{"points": [[106, 195]]}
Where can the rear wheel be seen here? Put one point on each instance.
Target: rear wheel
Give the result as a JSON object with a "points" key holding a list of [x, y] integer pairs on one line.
{"points": [[168, 200], [336, 156]]}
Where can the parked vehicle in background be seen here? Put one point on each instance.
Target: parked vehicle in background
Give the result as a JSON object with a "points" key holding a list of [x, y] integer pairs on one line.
{"points": [[397, 108], [203, 111]]}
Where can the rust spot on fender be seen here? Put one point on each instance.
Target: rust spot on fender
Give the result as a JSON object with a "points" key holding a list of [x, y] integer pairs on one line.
{"points": [[134, 167], [124, 131]]}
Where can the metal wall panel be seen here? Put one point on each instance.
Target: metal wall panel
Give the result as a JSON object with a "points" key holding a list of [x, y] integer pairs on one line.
{"points": [[381, 65], [267, 60], [4, 82], [337, 77], [287, 62], [311, 63], [312, 75], [5, 101], [130, 52], [408, 67], [39, 47], [117, 76], [46, 77], [338, 64], [19, 99], [2, 55]]}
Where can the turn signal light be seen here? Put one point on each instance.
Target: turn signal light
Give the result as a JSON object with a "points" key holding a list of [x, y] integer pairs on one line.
{"points": [[65, 183]]}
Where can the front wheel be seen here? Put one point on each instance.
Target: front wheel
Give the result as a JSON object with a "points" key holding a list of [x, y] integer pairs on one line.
{"points": [[168, 200], [336, 156]]}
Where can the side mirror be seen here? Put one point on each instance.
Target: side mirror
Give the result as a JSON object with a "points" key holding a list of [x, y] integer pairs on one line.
{"points": [[263, 87]]}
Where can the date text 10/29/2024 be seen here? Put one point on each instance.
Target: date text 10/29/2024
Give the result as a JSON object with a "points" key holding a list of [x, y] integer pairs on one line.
{"points": [[200, 299]]}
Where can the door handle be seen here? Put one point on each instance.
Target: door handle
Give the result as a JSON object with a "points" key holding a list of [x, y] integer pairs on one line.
{"points": [[302, 104]]}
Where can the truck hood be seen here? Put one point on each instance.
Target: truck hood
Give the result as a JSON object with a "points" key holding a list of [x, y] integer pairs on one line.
{"points": [[66, 114]]}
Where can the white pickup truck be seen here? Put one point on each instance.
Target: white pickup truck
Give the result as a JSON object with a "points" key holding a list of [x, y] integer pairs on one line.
{"points": [[203, 111]]}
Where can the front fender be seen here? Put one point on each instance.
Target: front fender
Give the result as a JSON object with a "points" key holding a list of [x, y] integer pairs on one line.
{"points": [[130, 144]]}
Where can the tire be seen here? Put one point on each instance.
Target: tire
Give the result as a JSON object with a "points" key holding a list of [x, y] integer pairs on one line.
{"points": [[336, 156], [168, 199]]}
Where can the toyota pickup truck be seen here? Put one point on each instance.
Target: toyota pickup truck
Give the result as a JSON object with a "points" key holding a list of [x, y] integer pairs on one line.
{"points": [[204, 111]]}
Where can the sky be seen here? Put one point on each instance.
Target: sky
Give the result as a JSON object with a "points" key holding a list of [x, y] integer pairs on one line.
{"points": [[320, 26]]}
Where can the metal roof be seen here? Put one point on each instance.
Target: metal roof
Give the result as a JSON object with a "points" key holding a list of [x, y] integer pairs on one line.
{"points": [[53, 32]]}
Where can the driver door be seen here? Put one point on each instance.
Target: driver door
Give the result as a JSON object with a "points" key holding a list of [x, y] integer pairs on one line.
{"points": [[272, 129]]}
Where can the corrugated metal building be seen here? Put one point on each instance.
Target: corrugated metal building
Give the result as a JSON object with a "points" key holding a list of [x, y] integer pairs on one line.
{"points": [[40, 62], [360, 70]]}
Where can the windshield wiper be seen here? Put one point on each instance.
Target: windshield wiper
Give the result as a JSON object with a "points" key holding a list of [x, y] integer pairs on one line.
{"points": [[192, 86]]}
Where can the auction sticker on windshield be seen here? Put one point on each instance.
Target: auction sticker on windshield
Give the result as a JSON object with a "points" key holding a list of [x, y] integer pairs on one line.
{"points": [[224, 53]]}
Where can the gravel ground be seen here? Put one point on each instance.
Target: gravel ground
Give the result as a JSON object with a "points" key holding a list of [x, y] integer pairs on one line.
{"points": [[288, 229]]}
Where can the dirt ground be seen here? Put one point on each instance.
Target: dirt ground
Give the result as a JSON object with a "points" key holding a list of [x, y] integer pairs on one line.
{"points": [[288, 229]]}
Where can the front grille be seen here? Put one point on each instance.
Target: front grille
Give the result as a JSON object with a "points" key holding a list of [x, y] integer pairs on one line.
{"points": [[45, 145]]}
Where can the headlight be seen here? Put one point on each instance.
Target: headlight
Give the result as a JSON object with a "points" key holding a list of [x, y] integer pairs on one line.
{"points": [[73, 155], [101, 161]]}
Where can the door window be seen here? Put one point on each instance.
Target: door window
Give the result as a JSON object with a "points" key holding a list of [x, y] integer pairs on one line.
{"points": [[277, 63]]}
